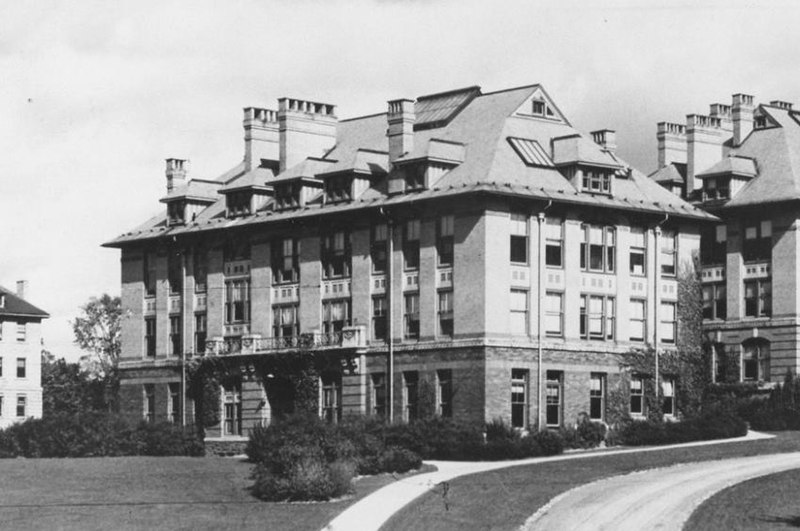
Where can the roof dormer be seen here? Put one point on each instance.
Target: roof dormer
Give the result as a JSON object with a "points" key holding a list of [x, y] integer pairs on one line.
{"points": [[724, 179], [540, 106], [347, 180], [248, 193], [185, 200], [589, 168], [422, 169]]}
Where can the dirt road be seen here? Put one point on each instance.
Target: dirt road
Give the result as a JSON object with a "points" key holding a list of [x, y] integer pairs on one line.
{"points": [[652, 499]]}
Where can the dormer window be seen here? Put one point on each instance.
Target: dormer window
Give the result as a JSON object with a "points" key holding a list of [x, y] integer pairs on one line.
{"points": [[415, 177], [176, 212], [338, 188], [239, 203], [596, 181], [287, 195], [716, 188], [760, 122]]}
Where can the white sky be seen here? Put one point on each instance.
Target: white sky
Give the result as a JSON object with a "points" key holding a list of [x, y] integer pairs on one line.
{"points": [[95, 95]]}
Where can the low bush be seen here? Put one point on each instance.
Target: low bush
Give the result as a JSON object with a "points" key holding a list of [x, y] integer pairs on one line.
{"points": [[586, 434], [95, 434], [308, 479], [711, 424]]}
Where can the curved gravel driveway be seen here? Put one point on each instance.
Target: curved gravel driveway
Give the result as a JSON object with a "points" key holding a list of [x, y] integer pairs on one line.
{"points": [[652, 499]]}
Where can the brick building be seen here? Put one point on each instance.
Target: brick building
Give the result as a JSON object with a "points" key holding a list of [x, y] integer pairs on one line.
{"points": [[741, 162], [20, 357], [512, 260]]}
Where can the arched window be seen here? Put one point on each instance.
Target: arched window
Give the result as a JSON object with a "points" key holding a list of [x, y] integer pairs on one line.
{"points": [[755, 360]]}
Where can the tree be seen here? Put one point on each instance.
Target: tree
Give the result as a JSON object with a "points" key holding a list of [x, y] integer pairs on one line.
{"points": [[68, 389], [97, 330]]}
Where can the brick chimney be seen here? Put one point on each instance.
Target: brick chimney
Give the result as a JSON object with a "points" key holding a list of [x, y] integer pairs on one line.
{"points": [[725, 115], [742, 110], [606, 138], [306, 129], [176, 173], [671, 143], [785, 105], [22, 287], [704, 136], [400, 133], [261, 137]]}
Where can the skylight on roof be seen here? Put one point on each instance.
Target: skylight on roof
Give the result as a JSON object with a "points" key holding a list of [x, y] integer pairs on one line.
{"points": [[531, 152]]}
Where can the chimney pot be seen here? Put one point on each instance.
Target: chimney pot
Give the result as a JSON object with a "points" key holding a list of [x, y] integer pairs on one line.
{"points": [[400, 133], [742, 110], [785, 105], [260, 136], [22, 286], [176, 173], [305, 129], [607, 138]]}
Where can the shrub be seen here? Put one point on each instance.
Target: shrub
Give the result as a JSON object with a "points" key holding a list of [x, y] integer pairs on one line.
{"points": [[550, 442], [712, 424], [399, 460], [309, 478]]}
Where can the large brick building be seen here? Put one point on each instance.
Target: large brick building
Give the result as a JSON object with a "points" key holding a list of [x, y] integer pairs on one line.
{"points": [[741, 162], [468, 254], [20, 357]]}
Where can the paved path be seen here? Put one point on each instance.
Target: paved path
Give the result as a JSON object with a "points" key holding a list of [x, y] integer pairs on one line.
{"points": [[371, 512], [652, 499]]}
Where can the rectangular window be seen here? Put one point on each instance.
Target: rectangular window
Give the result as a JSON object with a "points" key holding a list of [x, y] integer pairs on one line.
{"points": [[554, 242], [285, 261], [410, 395], [415, 176], [715, 302], [149, 392], [338, 188], [411, 316], [287, 195], [200, 332], [237, 301], [335, 315], [638, 317], [379, 394], [150, 337], [1, 369], [519, 238], [21, 368], [22, 332], [379, 318], [332, 397], [336, 255], [446, 313], [444, 393], [518, 306], [149, 266], [519, 398], [596, 181], [1, 406], [757, 244], [668, 397], [758, 298], [598, 248], [22, 402], [175, 273], [597, 396], [200, 270], [638, 251], [553, 390], [176, 335], [597, 317], [637, 396], [444, 240], [669, 253], [411, 244], [713, 245], [669, 322], [554, 314], [174, 406], [379, 248], [232, 409], [284, 321]]}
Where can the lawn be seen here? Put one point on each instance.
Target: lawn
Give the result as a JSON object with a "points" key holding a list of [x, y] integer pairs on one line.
{"points": [[150, 493], [504, 499], [767, 502]]}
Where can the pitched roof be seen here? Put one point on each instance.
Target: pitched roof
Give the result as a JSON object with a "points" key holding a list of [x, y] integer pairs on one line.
{"points": [[673, 173], [731, 165], [254, 179], [16, 307], [776, 151], [196, 189], [476, 141]]}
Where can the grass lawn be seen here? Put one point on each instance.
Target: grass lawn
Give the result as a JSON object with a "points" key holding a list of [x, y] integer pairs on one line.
{"points": [[504, 499], [768, 502], [150, 493]]}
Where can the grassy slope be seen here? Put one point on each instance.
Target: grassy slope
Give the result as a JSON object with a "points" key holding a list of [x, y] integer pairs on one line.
{"points": [[150, 493], [504, 499], [768, 502]]}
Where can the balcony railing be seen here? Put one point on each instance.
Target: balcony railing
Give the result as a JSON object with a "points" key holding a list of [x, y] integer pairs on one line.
{"points": [[351, 337]]}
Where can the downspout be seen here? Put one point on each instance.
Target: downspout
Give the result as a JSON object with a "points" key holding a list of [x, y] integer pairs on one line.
{"points": [[539, 317], [389, 313], [657, 304]]}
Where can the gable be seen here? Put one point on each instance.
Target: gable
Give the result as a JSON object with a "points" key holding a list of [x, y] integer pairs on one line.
{"points": [[540, 106]]}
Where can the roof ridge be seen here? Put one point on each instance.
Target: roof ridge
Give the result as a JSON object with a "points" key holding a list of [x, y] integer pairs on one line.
{"points": [[373, 115], [531, 86], [450, 92]]}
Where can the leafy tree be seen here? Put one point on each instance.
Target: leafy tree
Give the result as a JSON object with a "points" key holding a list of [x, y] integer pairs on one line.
{"points": [[97, 330], [68, 389]]}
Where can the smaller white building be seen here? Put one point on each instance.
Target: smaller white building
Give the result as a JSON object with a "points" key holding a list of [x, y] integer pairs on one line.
{"points": [[20, 357]]}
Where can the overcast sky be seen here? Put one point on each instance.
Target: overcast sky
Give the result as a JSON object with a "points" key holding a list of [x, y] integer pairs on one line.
{"points": [[95, 95]]}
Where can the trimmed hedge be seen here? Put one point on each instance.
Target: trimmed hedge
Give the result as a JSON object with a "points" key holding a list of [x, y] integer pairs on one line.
{"points": [[95, 434], [716, 424]]}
